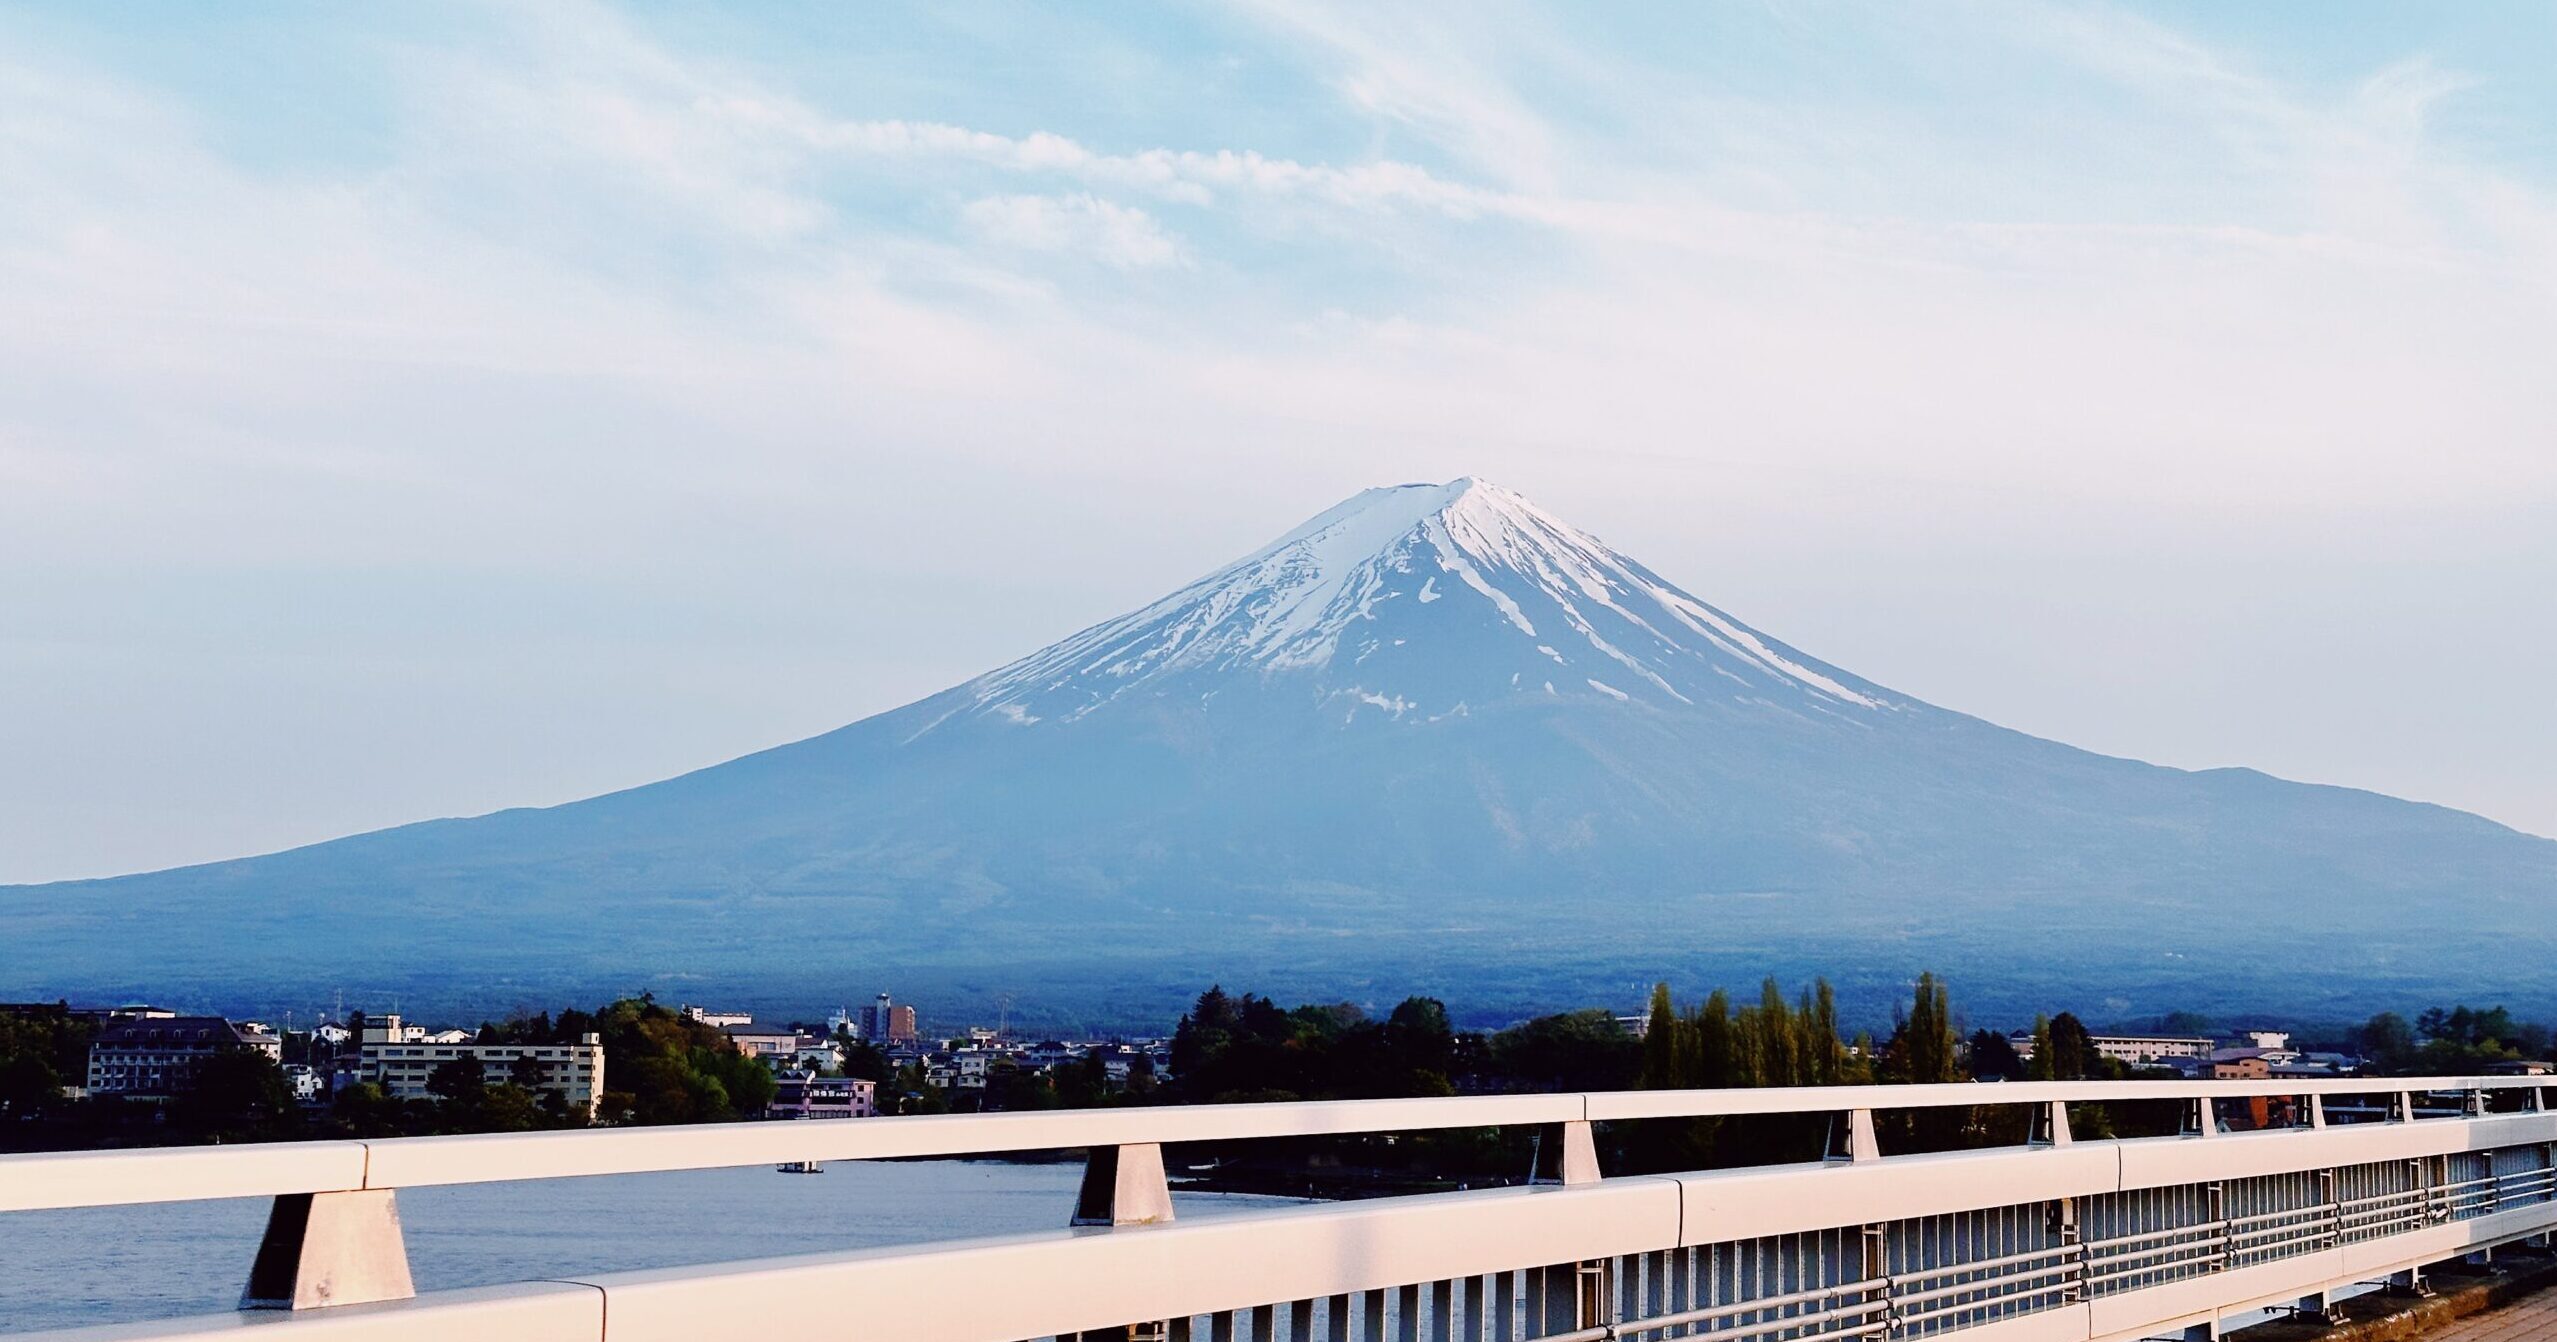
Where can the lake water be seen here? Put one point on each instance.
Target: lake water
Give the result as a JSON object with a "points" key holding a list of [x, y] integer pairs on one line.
{"points": [[113, 1264]]}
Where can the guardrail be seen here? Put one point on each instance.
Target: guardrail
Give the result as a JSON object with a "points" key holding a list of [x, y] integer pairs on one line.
{"points": [[2054, 1241]]}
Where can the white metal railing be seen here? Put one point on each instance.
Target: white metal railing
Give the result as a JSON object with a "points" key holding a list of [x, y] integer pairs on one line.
{"points": [[2055, 1241]]}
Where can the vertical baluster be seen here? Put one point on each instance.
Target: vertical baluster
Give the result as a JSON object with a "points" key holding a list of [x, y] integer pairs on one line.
{"points": [[1442, 1311], [1300, 1321], [1476, 1315], [1371, 1326], [1336, 1319]]}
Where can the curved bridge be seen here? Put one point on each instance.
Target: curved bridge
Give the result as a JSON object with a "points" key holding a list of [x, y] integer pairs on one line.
{"points": [[2057, 1240]]}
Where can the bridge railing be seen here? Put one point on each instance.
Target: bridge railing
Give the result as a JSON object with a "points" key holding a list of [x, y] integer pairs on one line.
{"points": [[2057, 1240]]}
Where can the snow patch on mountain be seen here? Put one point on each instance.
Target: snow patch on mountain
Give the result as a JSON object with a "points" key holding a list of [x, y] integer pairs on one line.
{"points": [[1391, 582]]}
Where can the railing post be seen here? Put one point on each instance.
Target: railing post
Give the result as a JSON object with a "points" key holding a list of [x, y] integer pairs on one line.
{"points": [[2050, 1125], [1566, 1297], [2317, 1113], [1853, 1142], [2218, 1194], [2072, 1236], [1123, 1186], [1566, 1153], [2200, 1120], [2401, 1106], [330, 1249], [1875, 1272], [1597, 1293], [2330, 1195]]}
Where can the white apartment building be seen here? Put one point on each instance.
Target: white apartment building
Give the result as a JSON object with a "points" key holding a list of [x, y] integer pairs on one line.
{"points": [[2138, 1050], [402, 1063]]}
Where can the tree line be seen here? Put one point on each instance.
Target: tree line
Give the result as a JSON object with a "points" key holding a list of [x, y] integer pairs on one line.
{"points": [[663, 1067]]}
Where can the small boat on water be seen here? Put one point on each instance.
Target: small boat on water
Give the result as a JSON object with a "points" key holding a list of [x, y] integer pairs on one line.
{"points": [[801, 1167]]}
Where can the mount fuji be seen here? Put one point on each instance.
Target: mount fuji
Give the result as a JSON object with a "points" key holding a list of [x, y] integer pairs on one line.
{"points": [[1432, 740]]}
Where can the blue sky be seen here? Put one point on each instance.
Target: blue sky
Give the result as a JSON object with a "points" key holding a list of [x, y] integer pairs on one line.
{"points": [[417, 412]]}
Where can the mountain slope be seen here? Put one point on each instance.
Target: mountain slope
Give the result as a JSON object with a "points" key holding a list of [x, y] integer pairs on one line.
{"points": [[1434, 739]]}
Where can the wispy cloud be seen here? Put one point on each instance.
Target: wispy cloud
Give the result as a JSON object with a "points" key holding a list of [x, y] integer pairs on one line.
{"points": [[1084, 225]]}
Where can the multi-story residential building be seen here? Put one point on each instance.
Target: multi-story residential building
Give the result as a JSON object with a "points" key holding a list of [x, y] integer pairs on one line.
{"points": [[797, 1095], [402, 1065], [150, 1057], [2137, 1050], [719, 1020]]}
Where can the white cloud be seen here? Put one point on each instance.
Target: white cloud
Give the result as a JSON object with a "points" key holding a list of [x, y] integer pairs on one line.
{"points": [[1082, 225], [1194, 177]]}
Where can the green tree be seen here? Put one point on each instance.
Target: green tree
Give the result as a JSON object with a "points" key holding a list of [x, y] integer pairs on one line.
{"points": [[1828, 1053], [1718, 1061], [1993, 1057], [866, 1061], [1664, 1061], [1925, 1050], [2073, 1055], [235, 1094], [1577, 1050], [507, 1107], [2038, 1067], [457, 1081], [29, 1087]]}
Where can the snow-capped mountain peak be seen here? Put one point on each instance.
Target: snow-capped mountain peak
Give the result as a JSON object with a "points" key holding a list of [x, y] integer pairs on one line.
{"points": [[1413, 602]]}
